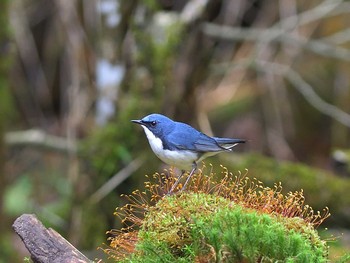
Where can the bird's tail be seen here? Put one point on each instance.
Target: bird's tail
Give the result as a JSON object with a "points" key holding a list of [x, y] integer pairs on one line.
{"points": [[228, 143]]}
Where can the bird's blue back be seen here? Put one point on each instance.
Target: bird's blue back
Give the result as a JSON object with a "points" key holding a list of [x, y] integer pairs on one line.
{"points": [[184, 137]]}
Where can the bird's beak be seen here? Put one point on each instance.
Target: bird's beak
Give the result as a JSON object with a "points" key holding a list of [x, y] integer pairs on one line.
{"points": [[137, 121]]}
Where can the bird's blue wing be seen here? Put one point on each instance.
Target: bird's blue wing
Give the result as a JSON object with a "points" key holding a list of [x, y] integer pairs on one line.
{"points": [[184, 137], [205, 143]]}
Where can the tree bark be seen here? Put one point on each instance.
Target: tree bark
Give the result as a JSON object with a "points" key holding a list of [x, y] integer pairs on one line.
{"points": [[45, 244]]}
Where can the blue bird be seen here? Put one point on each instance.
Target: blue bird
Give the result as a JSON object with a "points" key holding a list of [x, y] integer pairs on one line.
{"points": [[180, 145]]}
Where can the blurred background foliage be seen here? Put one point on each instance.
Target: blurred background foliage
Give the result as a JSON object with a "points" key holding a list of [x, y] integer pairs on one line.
{"points": [[74, 73]]}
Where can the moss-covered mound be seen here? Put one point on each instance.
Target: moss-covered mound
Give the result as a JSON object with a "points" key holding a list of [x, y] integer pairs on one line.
{"points": [[321, 188], [235, 219], [197, 227]]}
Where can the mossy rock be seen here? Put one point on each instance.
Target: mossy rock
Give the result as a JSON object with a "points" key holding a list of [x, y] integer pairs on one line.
{"points": [[221, 217], [200, 227]]}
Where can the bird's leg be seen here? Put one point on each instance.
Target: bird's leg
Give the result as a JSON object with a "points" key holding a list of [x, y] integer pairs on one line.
{"points": [[194, 168], [176, 183]]}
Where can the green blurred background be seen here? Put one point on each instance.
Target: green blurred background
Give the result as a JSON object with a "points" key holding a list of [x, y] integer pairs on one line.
{"points": [[74, 73]]}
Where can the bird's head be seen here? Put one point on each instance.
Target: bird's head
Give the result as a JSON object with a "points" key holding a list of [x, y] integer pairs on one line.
{"points": [[158, 124]]}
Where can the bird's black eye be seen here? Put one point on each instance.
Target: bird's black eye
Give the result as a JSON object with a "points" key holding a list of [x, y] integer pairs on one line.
{"points": [[153, 123]]}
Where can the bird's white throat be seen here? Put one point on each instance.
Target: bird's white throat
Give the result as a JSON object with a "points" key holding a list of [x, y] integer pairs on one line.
{"points": [[156, 143], [180, 159]]}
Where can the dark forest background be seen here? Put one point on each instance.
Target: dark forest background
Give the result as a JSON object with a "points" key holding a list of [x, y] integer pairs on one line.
{"points": [[74, 73]]}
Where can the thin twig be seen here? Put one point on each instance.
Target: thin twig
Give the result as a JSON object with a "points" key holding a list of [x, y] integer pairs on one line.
{"points": [[338, 38], [116, 180], [306, 90], [298, 82], [276, 35]]}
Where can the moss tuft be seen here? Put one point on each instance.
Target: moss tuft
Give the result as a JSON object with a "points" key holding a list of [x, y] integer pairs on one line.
{"points": [[233, 219]]}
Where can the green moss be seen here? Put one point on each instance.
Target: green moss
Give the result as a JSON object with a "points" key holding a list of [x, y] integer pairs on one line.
{"points": [[321, 188], [238, 235], [227, 219], [167, 221], [191, 226]]}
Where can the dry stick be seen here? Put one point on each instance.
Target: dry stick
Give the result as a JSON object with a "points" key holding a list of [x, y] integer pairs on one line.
{"points": [[45, 245], [116, 180]]}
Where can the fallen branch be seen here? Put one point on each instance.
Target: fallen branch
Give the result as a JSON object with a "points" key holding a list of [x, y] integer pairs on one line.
{"points": [[39, 138], [45, 245]]}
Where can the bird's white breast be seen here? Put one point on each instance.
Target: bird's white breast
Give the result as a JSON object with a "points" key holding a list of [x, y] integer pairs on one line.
{"points": [[182, 160]]}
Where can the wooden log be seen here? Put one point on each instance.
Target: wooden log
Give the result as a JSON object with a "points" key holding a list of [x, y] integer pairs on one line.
{"points": [[45, 245]]}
